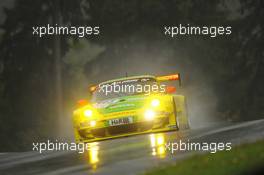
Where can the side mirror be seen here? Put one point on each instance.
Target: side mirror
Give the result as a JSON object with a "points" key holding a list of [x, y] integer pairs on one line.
{"points": [[82, 103], [92, 88], [170, 89]]}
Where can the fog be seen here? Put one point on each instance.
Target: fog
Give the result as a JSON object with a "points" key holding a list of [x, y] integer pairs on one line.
{"points": [[157, 58]]}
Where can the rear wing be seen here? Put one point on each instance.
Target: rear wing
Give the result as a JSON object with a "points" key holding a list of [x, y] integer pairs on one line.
{"points": [[172, 77]]}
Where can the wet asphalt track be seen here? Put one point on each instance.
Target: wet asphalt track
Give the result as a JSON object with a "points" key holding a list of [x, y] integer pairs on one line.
{"points": [[130, 155]]}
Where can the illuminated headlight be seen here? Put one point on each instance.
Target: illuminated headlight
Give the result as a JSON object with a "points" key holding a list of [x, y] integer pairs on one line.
{"points": [[149, 115], [92, 123], [155, 103], [88, 113]]}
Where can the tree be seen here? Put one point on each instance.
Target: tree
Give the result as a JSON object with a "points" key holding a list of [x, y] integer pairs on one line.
{"points": [[28, 95]]}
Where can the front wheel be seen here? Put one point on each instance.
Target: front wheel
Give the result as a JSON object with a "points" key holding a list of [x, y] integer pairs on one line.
{"points": [[180, 111]]}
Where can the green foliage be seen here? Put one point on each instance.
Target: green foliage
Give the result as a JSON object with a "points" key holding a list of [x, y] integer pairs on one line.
{"points": [[27, 102], [80, 53], [237, 161]]}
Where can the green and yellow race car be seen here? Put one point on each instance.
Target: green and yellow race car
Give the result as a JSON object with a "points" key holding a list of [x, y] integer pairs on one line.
{"points": [[130, 106]]}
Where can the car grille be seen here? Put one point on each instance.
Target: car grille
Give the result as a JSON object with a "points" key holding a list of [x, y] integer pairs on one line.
{"points": [[114, 130], [121, 129]]}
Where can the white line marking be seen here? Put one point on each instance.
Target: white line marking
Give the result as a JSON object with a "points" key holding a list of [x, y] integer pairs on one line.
{"points": [[239, 125]]}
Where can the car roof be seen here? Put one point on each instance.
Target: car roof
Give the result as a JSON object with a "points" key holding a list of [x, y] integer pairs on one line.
{"points": [[128, 78]]}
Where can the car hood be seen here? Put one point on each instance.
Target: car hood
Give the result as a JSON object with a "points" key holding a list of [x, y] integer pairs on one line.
{"points": [[121, 104]]}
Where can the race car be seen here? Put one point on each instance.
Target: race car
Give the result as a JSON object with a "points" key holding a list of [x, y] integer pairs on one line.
{"points": [[129, 106]]}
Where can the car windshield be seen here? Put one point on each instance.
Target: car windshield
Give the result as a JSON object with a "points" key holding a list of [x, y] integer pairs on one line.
{"points": [[123, 88]]}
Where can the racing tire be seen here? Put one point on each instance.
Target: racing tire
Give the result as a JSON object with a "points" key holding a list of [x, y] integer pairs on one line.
{"points": [[180, 111]]}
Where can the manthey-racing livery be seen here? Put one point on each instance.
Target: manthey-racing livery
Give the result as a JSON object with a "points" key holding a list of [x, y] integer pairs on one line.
{"points": [[110, 113]]}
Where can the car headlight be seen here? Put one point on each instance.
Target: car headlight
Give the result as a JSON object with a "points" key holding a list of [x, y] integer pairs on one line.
{"points": [[155, 103], [92, 123], [88, 113], [149, 114]]}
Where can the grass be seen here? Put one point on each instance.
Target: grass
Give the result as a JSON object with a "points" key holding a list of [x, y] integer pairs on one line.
{"points": [[238, 160]]}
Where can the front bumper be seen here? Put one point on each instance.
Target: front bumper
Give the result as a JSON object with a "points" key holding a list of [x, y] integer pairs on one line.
{"points": [[159, 124]]}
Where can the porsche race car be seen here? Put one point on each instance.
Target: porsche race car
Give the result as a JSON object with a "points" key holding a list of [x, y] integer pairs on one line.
{"points": [[112, 112]]}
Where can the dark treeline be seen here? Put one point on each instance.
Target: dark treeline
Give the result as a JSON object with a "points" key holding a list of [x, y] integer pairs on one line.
{"points": [[131, 40]]}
